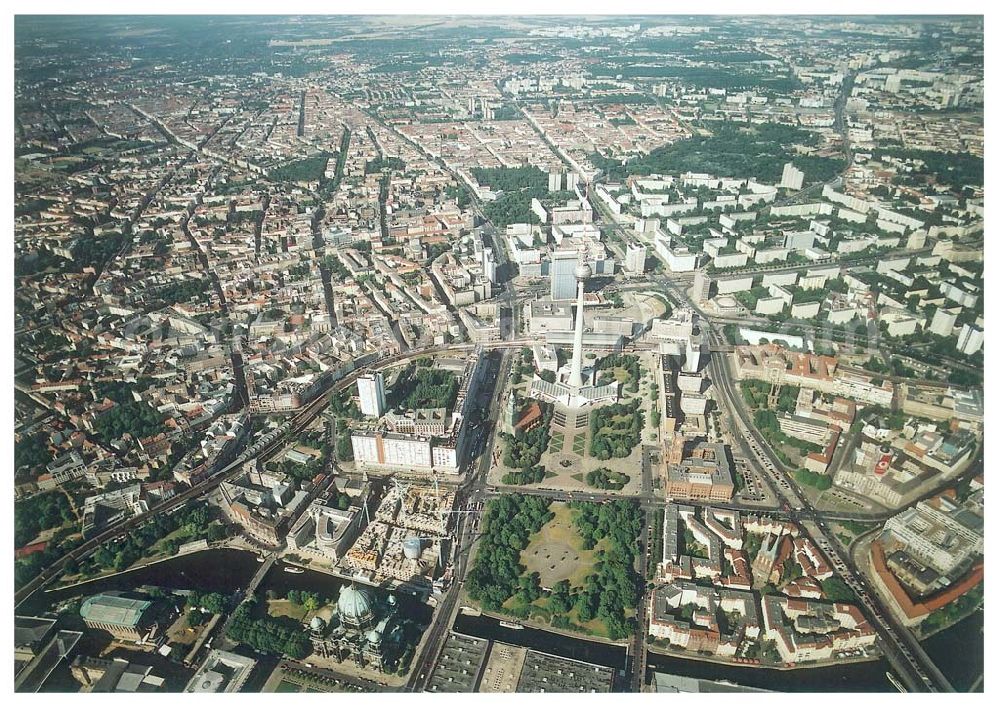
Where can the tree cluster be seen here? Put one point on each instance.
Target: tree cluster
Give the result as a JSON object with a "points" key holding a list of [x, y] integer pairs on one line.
{"points": [[309, 600], [813, 479], [508, 524], [836, 590], [267, 634], [628, 362], [760, 151], [956, 169], [137, 418], [424, 388], [31, 452], [523, 449], [514, 207], [603, 478], [384, 163], [614, 586], [39, 513], [310, 169], [509, 179], [615, 430], [528, 475]]}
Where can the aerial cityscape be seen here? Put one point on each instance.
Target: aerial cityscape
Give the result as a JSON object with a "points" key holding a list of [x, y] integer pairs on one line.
{"points": [[498, 354]]}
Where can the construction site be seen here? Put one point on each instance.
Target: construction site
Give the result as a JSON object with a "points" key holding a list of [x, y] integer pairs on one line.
{"points": [[407, 540]]}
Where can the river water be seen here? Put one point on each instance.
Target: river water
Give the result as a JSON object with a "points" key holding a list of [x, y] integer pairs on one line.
{"points": [[215, 570], [958, 650]]}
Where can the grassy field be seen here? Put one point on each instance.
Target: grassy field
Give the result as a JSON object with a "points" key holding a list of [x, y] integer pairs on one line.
{"points": [[284, 608], [556, 552]]}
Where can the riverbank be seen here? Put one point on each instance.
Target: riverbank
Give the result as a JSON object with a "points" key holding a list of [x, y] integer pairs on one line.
{"points": [[866, 676], [712, 659], [146, 563], [543, 640], [553, 630]]}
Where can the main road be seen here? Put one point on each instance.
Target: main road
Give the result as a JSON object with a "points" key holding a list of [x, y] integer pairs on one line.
{"points": [[471, 495], [900, 647]]}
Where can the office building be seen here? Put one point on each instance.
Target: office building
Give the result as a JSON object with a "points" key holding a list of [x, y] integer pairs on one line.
{"points": [[970, 340], [371, 392], [703, 475], [702, 286], [944, 319], [635, 258], [791, 178]]}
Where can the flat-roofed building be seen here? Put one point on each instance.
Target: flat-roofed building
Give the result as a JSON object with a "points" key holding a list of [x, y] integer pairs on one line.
{"points": [[704, 475], [459, 665], [547, 316], [336, 529], [221, 672]]}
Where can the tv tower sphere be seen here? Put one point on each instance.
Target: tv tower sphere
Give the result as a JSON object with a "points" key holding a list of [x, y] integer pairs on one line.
{"points": [[583, 271]]}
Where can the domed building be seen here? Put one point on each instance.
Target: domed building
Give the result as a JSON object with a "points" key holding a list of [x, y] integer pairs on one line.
{"points": [[364, 629], [355, 607]]}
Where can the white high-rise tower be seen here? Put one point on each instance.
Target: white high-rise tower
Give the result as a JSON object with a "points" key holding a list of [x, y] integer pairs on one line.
{"points": [[582, 272]]}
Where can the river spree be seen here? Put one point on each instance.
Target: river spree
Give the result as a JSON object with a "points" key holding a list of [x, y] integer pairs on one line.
{"points": [[541, 640], [868, 676], [958, 650], [222, 570], [216, 570]]}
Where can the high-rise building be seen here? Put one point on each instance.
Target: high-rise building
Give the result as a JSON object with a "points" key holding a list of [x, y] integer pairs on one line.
{"points": [[371, 391], [692, 355], [562, 277], [791, 177], [702, 286], [970, 340], [635, 258], [944, 321], [555, 181], [572, 178], [489, 265]]}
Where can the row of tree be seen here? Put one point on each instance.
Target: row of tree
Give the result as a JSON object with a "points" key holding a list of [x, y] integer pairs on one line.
{"points": [[191, 524]]}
